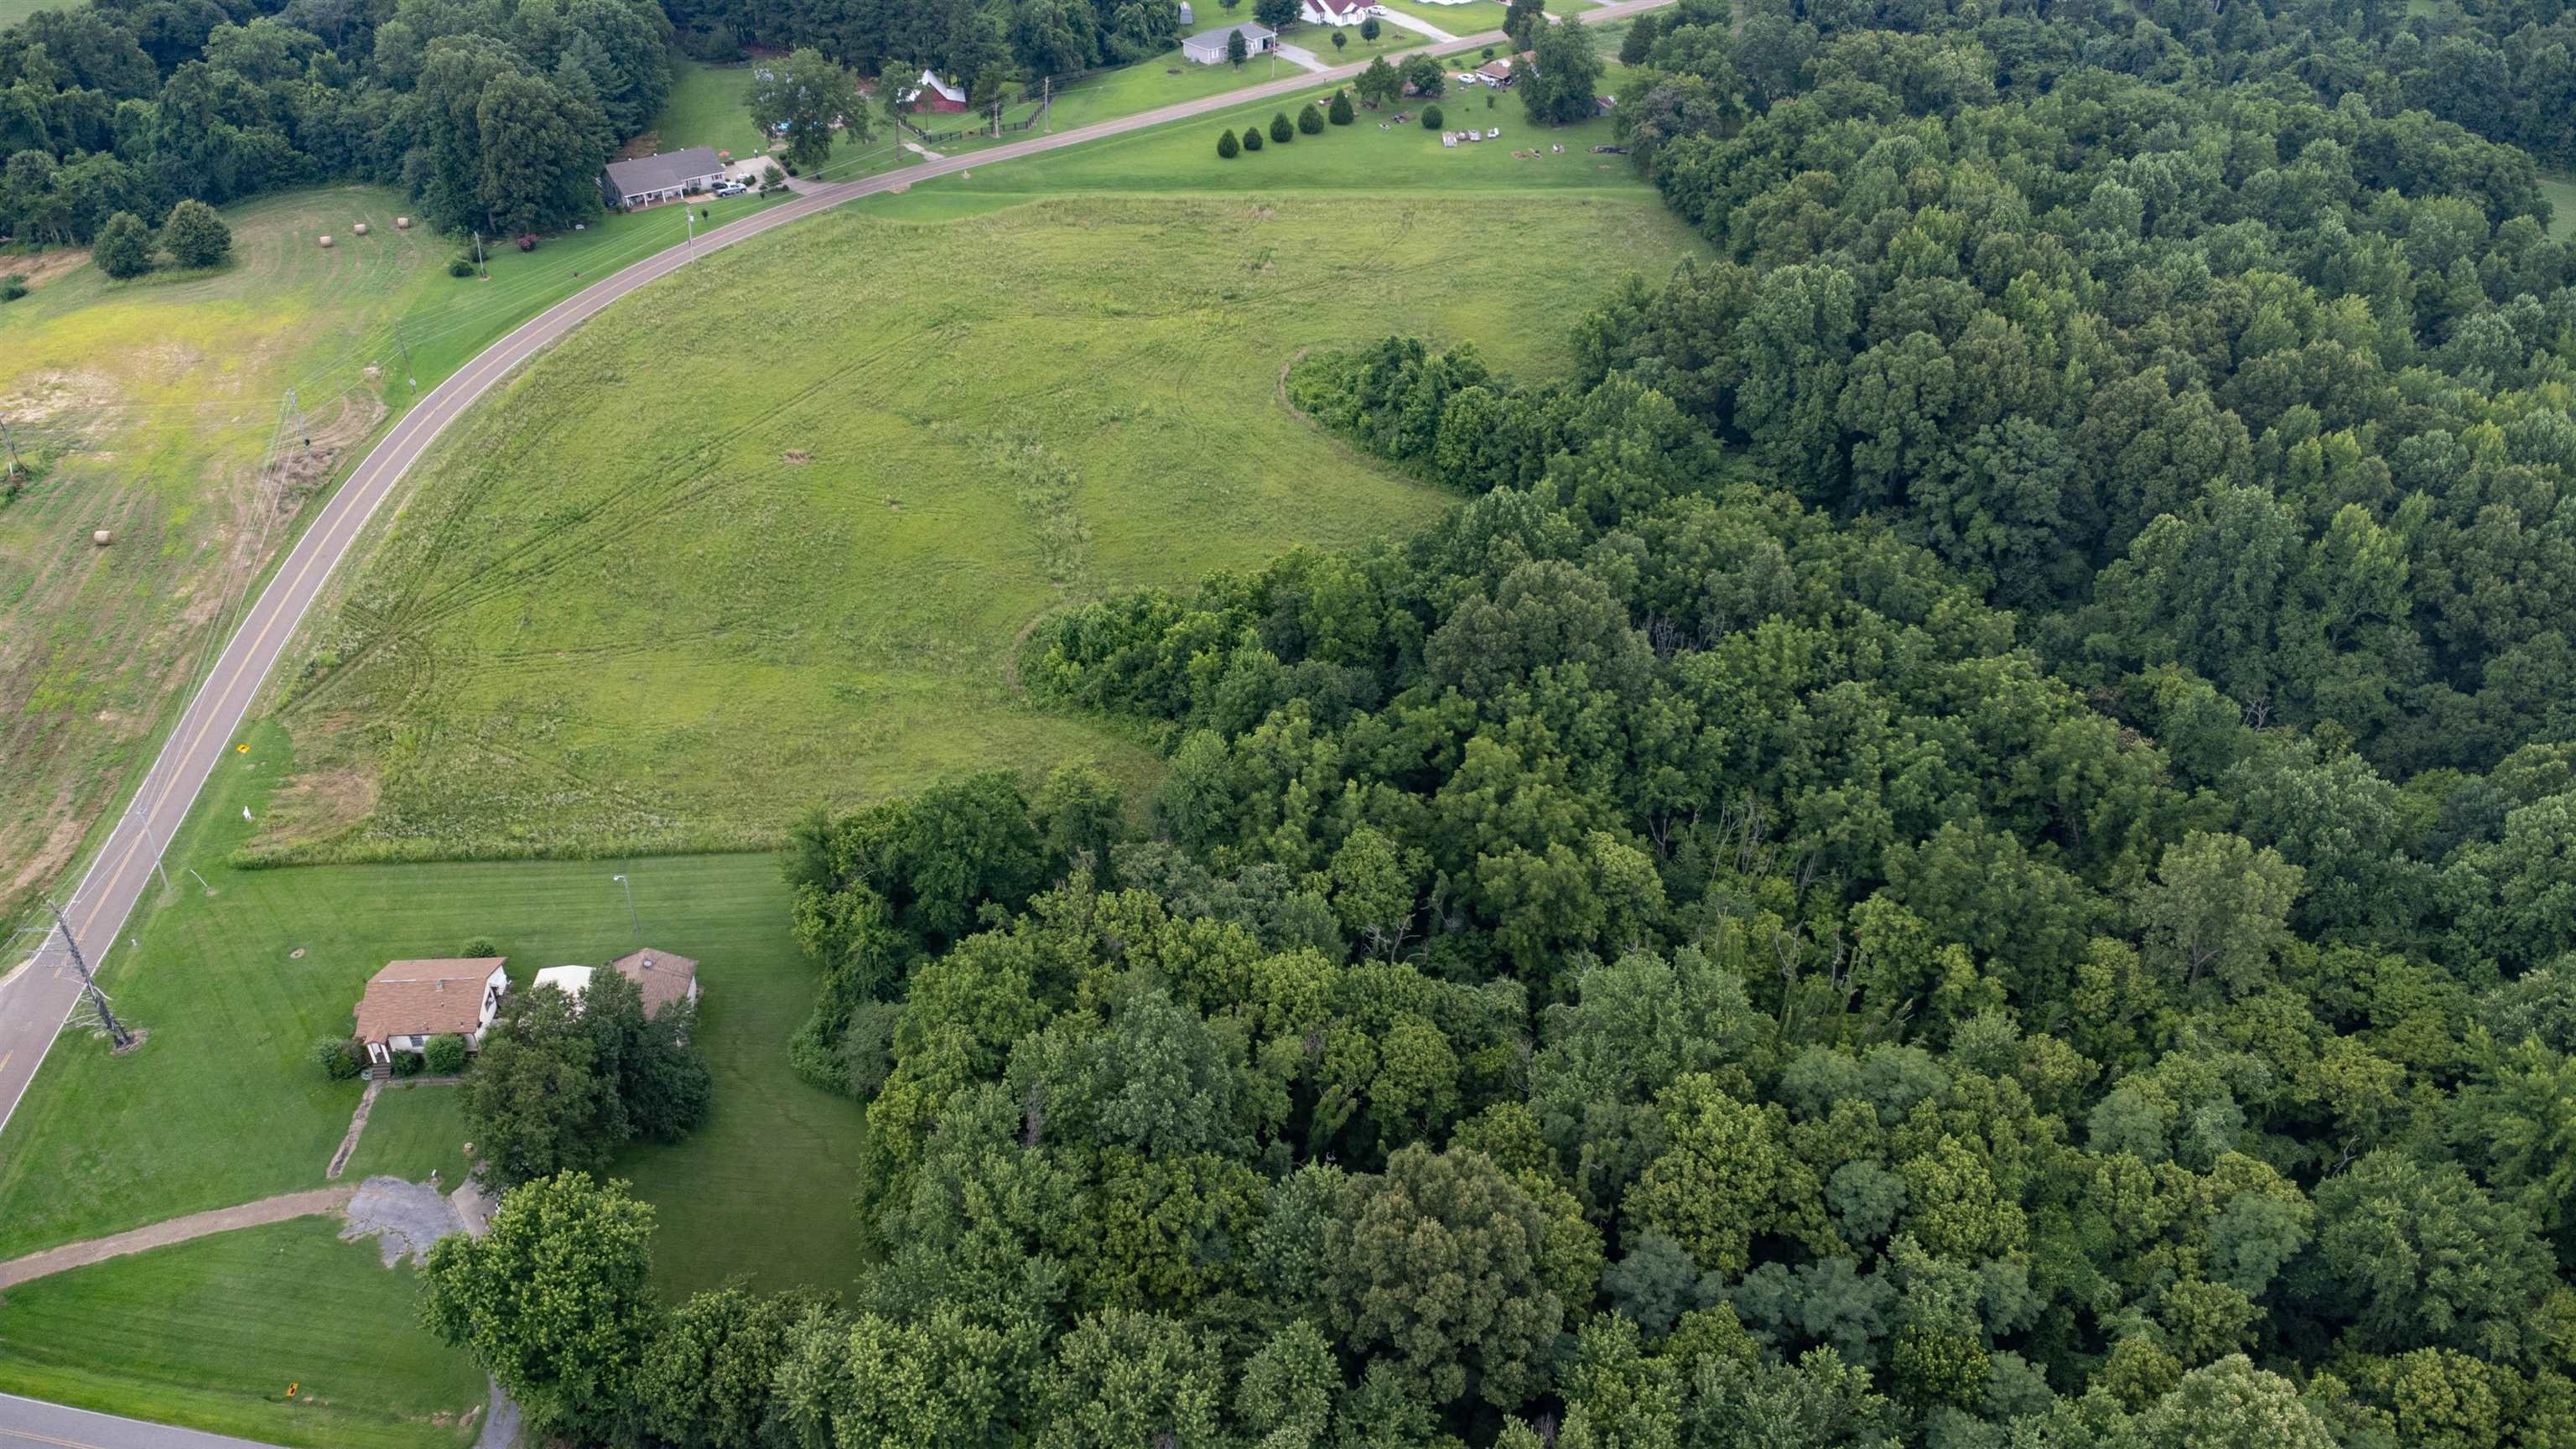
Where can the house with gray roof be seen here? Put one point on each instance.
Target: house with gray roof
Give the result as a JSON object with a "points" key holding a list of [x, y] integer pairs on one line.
{"points": [[1208, 47], [648, 179]]}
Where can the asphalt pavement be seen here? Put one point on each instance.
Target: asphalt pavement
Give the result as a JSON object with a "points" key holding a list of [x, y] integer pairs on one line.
{"points": [[35, 1422], [39, 997]]}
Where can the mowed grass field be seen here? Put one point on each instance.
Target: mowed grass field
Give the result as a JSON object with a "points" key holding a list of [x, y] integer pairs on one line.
{"points": [[221, 1104], [211, 1334], [156, 408], [2560, 188], [705, 109], [769, 538]]}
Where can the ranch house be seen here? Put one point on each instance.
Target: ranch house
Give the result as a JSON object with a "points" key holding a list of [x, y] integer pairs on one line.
{"points": [[648, 179], [1208, 48], [409, 1002], [1346, 14]]}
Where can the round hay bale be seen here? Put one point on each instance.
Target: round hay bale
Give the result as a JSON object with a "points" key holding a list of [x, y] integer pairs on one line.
{"points": [[326, 242], [102, 536], [360, 228], [402, 223]]}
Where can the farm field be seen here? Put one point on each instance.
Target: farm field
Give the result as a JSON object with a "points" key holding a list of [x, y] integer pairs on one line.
{"points": [[2560, 188], [209, 1334], [155, 408], [583, 636], [705, 109], [221, 1104]]}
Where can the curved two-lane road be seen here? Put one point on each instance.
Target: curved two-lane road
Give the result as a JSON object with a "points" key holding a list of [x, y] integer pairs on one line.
{"points": [[36, 1000]]}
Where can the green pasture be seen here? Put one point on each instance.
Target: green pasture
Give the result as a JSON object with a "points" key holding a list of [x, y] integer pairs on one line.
{"points": [[13, 11], [211, 1334], [2560, 188], [156, 408], [221, 1104]]}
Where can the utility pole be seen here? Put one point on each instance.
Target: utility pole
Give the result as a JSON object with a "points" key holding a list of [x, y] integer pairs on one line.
{"points": [[406, 352], [632, 919], [11, 439], [481, 265], [1046, 106], [116, 1031], [295, 421], [690, 216]]}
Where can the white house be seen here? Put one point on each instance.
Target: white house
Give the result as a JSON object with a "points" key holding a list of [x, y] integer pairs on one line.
{"points": [[1208, 47], [648, 179], [409, 1002], [1340, 13], [572, 981]]}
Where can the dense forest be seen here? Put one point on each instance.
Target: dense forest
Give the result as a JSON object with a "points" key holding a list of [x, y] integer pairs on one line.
{"points": [[1967, 839]]}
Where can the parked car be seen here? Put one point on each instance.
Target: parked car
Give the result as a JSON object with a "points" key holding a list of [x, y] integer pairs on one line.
{"points": [[731, 188]]}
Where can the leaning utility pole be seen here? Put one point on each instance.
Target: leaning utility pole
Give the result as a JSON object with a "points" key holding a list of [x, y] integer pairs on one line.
{"points": [[11, 439], [116, 1031]]}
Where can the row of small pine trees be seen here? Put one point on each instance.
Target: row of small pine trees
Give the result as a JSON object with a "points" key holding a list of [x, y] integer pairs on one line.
{"points": [[1282, 130]]}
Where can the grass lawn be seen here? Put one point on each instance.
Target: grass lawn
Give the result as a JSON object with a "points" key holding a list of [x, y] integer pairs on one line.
{"points": [[2560, 188], [221, 1106], [705, 109], [210, 1334], [13, 11], [1472, 18], [411, 1132], [1317, 40], [152, 408]]}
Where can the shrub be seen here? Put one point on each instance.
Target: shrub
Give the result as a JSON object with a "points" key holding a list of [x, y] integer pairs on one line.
{"points": [[1252, 138], [408, 1064], [195, 236], [1340, 40], [772, 179], [1310, 121], [1370, 29], [1226, 146], [1280, 130], [1431, 118], [338, 1057], [1341, 113], [461, 267], [445, 1054], [13, 286], [481, 946], [124, 247]]}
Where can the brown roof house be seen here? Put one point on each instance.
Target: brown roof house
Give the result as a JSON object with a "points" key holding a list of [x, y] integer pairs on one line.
{"points": [[409, 1002], [662, 976]]}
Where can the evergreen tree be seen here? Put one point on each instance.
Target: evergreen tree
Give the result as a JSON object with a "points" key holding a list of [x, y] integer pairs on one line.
{"points": [[1341, 113], [1281, 129], [1235, 48], [1225, 145], [1309, 120], [1252, 138]]}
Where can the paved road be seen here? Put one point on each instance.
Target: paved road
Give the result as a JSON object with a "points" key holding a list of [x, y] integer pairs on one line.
{"points": [[33, 1422]]}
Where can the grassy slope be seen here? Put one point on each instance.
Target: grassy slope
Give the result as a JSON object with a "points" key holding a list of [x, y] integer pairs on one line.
{"points": [[210, 1334], [2560, 188], [156, 402], [220, 1105], [618, 610]]}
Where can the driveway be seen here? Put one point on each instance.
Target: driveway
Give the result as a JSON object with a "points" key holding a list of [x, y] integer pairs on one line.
{"points": [[1400, 19], [1300, 55]]}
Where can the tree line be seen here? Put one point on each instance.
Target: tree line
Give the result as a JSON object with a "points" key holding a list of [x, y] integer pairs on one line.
{"points": [[493, 114]]}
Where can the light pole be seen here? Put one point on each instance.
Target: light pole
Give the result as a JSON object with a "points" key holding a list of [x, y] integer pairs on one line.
{"points": [[636, 921]]}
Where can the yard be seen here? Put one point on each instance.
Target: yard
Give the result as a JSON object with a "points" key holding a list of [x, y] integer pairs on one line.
{"points": [[221, 1105], [1472, 18], [211, 1334], [705, 109]]}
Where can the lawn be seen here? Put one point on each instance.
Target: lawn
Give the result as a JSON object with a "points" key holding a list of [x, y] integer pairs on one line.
{"points": [[2560, 188], [212, 1333], [13, 11], [155, 408], [412, 1131], [705, 109], [1473, 18], [221, 1104]]}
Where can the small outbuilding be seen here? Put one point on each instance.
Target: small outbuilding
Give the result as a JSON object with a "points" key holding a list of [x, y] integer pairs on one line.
{"points": [[930, 93], [408, 1002], [1208, 47], [663, 177]]}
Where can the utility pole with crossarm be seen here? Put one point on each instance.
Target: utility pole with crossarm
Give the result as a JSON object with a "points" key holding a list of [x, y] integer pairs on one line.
{"points": [[116, 1031]]}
